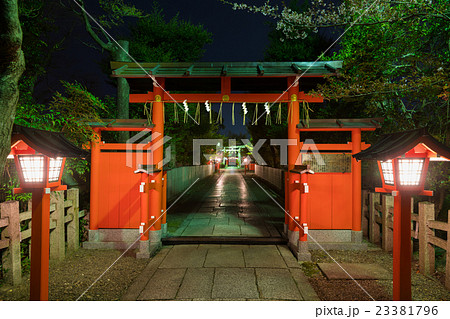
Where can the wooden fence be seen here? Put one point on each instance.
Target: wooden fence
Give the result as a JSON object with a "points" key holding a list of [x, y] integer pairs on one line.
{"points": [[64, 230], [275, 176], [378, 214]]}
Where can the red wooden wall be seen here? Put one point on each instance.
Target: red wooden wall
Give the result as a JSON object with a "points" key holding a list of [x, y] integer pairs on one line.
{"points": [[119, 204], [330, 201]]}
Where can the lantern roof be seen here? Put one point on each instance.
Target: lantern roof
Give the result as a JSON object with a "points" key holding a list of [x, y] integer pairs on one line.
{"points": [[51, 144], [397, 144]]}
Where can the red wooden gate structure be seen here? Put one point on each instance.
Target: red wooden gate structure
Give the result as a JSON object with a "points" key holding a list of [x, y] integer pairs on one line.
{"points": [[226, 82], [334, 201]]}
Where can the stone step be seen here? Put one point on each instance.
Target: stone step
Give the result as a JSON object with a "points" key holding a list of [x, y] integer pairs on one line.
{"points": [[182, 240]]}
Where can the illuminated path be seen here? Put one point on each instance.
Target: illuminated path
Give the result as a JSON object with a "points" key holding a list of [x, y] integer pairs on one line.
{"points": [[229, 205]]}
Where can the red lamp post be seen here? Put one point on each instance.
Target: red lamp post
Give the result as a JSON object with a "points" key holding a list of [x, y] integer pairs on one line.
{"points": [[403, 160], [38, 175], [40, 172]]}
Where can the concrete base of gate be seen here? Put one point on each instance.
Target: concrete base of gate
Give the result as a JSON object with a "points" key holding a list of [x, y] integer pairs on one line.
{"points": [[112, 239], [303, 253], [335, 239], [341, 239], [147, 248], [298, 248], [357, 237]]}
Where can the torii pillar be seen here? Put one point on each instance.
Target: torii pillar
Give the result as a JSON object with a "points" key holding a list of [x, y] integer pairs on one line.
{"points": [[155, 178], [292, 218]]}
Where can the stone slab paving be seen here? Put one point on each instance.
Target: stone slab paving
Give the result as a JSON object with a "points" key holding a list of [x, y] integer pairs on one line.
{"points": [[235, 284], [225, 257], [227, 230], [357, 271], [276, 283], [184, 256], [163, 285], [198, 230], [221, 272], [251, 231], [197, 284], [266, 256]]}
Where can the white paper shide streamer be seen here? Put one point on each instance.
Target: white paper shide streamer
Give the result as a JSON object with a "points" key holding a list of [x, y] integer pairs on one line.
{"points": [[186, 109], [244, 109]]}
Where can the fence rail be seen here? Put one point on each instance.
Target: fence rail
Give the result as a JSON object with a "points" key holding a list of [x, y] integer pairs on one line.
{"points": [[180, 178], [378, 216], [274, 176], [16, 227]]}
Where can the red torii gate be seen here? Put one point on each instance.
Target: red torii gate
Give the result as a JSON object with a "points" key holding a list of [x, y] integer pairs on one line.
{"points": [[250, 82]]}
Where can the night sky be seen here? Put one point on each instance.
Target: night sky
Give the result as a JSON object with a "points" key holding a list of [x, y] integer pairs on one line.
{"points": [[237, 36]]}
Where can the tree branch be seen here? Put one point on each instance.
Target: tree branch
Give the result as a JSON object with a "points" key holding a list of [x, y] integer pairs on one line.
{"points": [[90, 30]]}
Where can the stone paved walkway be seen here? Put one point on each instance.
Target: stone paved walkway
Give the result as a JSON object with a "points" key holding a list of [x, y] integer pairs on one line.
{"points": [[229, 204], [222, 272]]}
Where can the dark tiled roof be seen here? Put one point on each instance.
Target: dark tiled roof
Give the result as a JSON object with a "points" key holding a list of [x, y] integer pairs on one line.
{"points": [[51, 144], [397, 144]]}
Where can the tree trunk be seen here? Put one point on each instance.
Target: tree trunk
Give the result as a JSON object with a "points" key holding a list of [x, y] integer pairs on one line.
{"points": [[12, 65], [123, 89]]}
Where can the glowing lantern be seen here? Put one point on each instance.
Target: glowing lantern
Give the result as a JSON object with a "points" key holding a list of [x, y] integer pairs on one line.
{"points": [[39, 157], [403, 159]]}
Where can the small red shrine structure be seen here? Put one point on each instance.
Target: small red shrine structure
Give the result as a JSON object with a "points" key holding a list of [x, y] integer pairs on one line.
{"points": [[332, 212]]}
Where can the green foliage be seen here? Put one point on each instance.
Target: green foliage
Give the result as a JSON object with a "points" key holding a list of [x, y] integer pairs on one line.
{"points": [[82, 233], [36, 23], [284, 49], [115, 11], [66, 113], [9, 181], [154, 38], [398, 70]]}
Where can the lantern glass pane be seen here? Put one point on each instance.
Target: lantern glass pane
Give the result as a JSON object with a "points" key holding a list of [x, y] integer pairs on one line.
{"points": [[410, 171], [32, 168], [388, 172], [54, 169]]}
